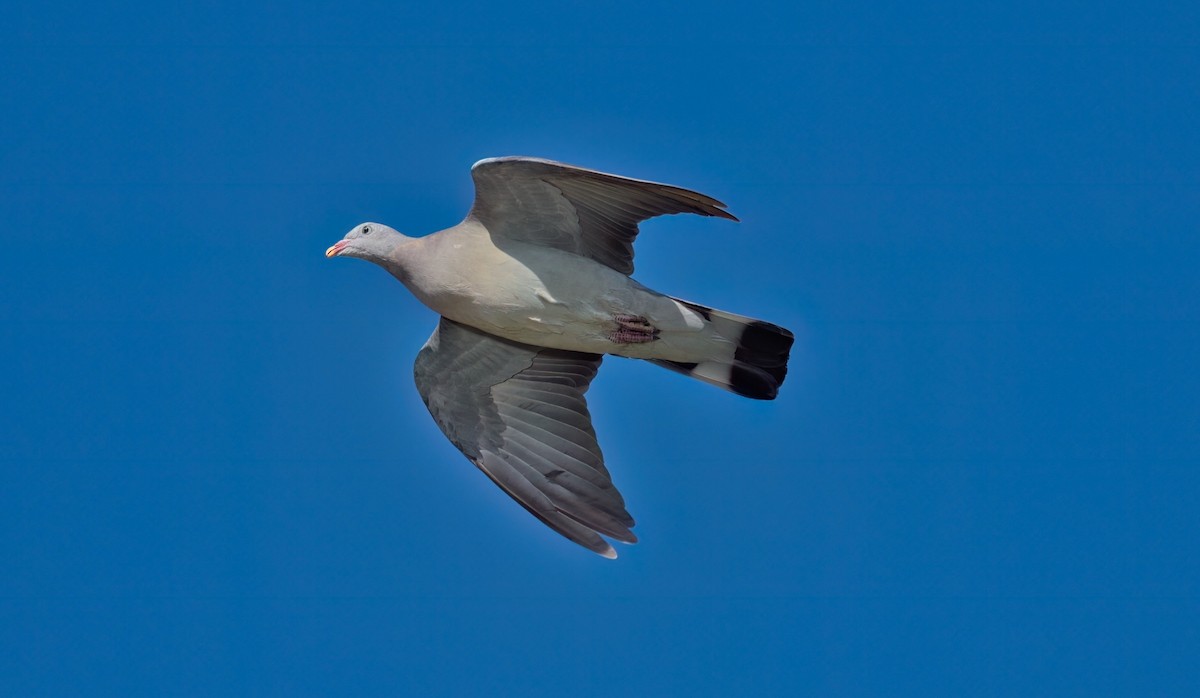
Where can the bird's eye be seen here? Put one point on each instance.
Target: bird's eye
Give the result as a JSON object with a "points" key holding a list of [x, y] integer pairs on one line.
{"points": [[366, 230]]}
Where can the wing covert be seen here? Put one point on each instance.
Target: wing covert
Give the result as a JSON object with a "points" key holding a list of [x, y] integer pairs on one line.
{"points": [[574, 209]]}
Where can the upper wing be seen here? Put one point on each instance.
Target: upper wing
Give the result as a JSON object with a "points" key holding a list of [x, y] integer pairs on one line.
{"points": [[573, 209], [518, 413]]}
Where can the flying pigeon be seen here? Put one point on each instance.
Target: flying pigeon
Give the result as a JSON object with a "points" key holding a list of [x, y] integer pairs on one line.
{"points": [[533, 289]]}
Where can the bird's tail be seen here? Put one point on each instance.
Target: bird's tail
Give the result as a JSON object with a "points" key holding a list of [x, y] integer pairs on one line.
{"points": [[754, 368]]}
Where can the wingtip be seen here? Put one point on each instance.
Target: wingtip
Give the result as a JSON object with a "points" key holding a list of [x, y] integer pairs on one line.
{"points": [[608, 552]]}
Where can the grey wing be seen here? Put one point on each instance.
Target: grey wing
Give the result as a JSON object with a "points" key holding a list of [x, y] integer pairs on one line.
{"points": [[518, 413], [573, 209]]}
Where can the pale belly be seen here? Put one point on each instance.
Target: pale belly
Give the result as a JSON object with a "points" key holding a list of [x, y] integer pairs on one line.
{"points": [[568, 303]]}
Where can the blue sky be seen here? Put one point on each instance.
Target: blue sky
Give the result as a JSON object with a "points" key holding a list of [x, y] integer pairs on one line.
{"points": [[980, 478]]}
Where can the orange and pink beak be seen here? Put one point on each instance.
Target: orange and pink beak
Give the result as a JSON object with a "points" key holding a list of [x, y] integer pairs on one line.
{"points": [[336, 249]]}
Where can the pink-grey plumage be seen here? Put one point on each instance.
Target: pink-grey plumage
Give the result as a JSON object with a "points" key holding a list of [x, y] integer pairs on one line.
{"points": [[533, 288]]}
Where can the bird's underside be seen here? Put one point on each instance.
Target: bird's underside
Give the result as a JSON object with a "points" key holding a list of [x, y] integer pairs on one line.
{"points": [[517, 409]]}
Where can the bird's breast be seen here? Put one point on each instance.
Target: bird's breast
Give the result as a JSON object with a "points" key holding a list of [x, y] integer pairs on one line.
{"points": [[527, 293]]}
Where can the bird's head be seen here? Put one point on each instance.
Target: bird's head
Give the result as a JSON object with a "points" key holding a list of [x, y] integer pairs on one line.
{"points": [[373, 242]]}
